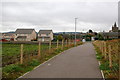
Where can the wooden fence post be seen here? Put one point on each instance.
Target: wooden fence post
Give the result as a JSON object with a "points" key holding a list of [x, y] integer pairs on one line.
{"points": [[21, 54], [57, 43], [100, 46], [105, 51], [39, 47], [66, 43], [62, 44], [110, 56], [103, 48], [49, 46], [69, 42]]}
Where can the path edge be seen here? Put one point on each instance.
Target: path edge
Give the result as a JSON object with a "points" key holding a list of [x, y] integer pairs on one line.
{"points": [[100, 70]]}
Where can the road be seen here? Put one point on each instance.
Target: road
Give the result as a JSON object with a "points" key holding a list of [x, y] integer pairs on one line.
{"points": [[77, 62]]}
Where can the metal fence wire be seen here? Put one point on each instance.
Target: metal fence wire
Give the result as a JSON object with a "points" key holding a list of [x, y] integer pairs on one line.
{"points": [[108, 54], [13, 53]]}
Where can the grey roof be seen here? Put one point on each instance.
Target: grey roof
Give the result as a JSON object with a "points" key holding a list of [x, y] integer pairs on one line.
{"points": [[7, 34], [45, 31], [24, 31], [22, 37], [110, 33]]}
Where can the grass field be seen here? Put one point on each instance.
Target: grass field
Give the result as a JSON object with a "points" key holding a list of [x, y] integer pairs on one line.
{"points": [[11, 52], [14, 49]]}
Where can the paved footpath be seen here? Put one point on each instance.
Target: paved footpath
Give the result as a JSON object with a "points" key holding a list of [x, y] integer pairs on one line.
{"points": [[77, 62]]}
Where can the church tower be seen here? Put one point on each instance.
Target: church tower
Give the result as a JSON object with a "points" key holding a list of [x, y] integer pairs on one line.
{"points": [[115, 28]]}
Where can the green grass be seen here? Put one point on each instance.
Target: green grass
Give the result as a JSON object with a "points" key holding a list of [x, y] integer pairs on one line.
{"points": [[0, 69], [34, 62], [14, 49], [10, 49], [11, 52]]}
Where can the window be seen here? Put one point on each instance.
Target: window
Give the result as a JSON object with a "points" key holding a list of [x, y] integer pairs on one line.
{"points": [[47, 34]]}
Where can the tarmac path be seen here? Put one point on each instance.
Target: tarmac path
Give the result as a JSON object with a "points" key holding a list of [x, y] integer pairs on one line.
{"points": [[77, 62]]}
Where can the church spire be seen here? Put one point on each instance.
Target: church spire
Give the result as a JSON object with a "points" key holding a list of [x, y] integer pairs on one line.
{"points": [[115, 25]]}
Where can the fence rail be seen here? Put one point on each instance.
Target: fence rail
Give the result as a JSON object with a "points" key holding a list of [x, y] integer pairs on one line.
{"points": [[108, 55]]}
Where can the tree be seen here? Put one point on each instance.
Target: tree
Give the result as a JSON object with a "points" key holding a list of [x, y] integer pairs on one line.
{"points": [[60, 37], [100, 37], [90, 31]]}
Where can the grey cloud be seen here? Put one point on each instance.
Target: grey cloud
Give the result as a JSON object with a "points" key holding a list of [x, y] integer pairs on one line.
{"points": [[59, 16]]}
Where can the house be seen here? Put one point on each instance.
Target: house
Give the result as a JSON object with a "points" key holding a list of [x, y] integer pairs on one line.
{"points": [[8, 36], [25, 35], [112, 34], [45, 35]]}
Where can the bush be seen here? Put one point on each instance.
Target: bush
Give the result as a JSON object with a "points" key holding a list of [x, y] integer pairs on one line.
{"points": [[12, 68], [104, 66], [34, 62], [99, 57], [115, 66]]}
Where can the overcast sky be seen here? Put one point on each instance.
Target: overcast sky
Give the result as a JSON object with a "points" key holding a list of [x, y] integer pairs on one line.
{"points": [[59, 16]]}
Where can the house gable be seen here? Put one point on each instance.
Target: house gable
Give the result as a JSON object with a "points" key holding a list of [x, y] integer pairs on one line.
{"points": [[28, 34], [45, 35]]}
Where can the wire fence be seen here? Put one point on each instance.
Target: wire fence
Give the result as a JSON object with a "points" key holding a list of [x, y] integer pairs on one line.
{"points": [[13, 53], [108, 55]]}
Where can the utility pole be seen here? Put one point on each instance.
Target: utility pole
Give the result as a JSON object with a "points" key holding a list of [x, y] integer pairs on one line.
{"points": [[75, 30]]}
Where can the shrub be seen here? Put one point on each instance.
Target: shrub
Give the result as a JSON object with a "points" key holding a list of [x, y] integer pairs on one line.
{"points": [[34, 62], [104, 66], [12, 68], [99, 56], [115, 66]]}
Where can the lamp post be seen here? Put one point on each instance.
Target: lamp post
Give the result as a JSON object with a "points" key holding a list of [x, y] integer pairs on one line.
{"points": [[75, 29]]}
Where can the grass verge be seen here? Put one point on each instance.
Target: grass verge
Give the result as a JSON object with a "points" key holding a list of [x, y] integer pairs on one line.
{"points": [[109, 72]]}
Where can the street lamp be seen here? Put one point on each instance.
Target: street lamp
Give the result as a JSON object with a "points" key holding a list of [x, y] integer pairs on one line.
{"points": [[75, 29]]}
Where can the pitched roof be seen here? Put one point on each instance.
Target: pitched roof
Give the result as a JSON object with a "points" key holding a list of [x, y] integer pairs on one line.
{"points": [[7, 34], [110, 33], [24, 31], [44, 31]]}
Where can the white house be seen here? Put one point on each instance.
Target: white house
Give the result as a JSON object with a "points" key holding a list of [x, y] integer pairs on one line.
{"points": [[45, 35]]}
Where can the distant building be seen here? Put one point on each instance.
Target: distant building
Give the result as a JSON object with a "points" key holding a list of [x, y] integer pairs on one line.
{"points": [[112, 34], [25, 35], [114, 28], [45, 35], [92, 38], [8, 36]]}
